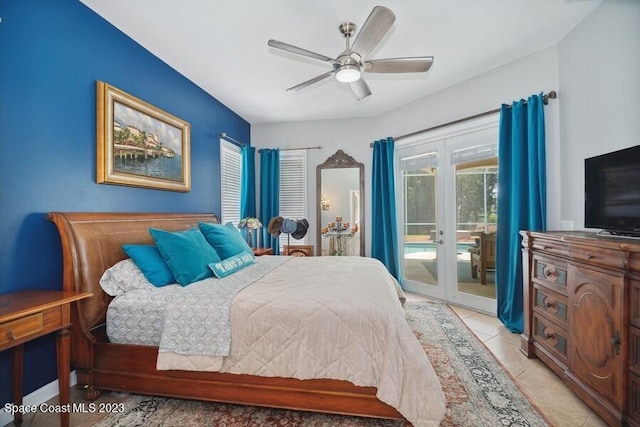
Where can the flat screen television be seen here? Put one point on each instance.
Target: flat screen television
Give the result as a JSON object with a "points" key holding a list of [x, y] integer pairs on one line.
{"points": [[612, 192]]}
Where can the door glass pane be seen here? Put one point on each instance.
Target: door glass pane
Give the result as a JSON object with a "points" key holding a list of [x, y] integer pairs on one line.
{"points": [[420, 261], [476, 215]]}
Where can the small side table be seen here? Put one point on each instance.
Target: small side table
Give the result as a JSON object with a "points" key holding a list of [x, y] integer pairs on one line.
{"points": [[27, 315], [262, 251], [298, 250]]}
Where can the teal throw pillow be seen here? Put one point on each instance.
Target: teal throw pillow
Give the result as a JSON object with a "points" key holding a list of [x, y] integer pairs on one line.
{"points": [[149, 260], [230, 265], [225, 239], [186, 253]]}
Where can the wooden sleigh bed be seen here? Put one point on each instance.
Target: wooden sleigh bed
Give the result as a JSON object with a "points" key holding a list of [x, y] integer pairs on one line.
{"points": [[91, 243]]}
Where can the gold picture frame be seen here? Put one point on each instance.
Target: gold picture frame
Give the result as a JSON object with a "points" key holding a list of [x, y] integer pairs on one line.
{"points": [[140, 145]]}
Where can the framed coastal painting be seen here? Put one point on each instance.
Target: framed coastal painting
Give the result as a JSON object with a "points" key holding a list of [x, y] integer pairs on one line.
{"points": [[140, 145]]}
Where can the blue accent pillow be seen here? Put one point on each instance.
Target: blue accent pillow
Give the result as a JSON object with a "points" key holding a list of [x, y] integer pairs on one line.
{"points": [[225, 239], [149, 260], [186, 253], [230, 265]]}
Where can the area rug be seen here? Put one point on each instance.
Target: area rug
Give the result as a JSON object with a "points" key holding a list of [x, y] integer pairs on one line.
{"points": [[478, 390]]}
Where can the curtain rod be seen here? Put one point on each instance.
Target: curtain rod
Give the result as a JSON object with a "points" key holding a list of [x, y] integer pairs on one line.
{"points": [[545, 100], [317, 147], [234, 141]]}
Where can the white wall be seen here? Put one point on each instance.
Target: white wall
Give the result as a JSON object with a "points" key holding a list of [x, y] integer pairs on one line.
{"points": [[599, 69], [598, 62]]}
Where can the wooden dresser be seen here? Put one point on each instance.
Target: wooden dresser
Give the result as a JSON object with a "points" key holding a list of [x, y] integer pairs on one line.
{"points": [[582, 316]]}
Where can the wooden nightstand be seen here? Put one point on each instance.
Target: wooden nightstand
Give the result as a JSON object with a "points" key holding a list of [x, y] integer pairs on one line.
{"points": [[298, 250], [27, 315], [262, 251]]}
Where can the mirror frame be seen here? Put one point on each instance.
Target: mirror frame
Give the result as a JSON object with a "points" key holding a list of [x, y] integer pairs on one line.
{"points": [[338, 160]]}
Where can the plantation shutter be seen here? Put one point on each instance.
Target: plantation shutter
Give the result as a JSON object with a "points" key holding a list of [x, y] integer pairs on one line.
{"points": [[293, 184], [230, 179]]}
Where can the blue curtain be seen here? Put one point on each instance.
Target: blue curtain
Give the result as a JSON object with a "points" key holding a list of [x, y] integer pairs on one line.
{"points": [[248, 183], [384, 232], [521, 199], [269, 194]]}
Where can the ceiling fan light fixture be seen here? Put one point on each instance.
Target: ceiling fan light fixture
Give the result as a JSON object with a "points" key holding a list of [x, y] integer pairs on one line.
{"points": [[348, 73]]}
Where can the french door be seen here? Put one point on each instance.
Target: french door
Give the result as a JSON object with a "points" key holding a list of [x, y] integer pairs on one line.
{"points": [[447, 202]]}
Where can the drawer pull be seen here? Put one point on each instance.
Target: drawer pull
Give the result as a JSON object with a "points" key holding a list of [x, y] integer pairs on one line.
{"points": [[20, 328], [548, 304], [548, 335]]}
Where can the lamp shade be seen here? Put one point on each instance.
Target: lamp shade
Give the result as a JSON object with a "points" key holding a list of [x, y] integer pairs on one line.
{"points": [[250, 223]]}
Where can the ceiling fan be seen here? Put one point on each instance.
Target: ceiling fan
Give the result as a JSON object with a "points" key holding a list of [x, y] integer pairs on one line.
{"points": [[352, 62]]}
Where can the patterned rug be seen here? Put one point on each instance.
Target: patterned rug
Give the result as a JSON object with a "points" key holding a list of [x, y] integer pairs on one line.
{"points": [[478, 390]]}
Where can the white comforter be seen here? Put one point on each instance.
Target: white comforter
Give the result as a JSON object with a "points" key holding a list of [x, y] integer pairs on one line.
{"points": [[328, 317]]}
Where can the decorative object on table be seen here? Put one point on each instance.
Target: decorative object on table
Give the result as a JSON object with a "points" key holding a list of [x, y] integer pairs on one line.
{"points": [[296, 228], [302, 226], [249, 224], [140, 145], [274, 226], [288, 226], [338, 233]]}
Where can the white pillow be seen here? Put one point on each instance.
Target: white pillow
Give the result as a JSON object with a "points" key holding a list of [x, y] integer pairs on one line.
{"points": [[123, 277]]}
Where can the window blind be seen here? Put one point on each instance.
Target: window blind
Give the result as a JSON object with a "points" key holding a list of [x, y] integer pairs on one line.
{"points": [[230, 181]]}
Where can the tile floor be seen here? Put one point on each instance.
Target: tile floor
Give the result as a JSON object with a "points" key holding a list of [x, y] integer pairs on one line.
{"points": [[561, 407], [544, 388]]}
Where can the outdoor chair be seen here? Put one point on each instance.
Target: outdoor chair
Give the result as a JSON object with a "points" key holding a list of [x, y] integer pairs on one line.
{"points": [[483, 257]]}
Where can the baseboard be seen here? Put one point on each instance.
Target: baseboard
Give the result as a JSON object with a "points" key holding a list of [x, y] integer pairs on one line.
{"points": [[37, 397]]}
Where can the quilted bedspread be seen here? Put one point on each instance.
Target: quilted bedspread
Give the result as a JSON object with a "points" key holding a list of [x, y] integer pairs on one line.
{"points": [[197, 322], [328, 317]]}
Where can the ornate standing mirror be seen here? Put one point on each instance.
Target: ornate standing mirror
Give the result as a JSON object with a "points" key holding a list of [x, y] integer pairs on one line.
{"points": [[340, 206]]}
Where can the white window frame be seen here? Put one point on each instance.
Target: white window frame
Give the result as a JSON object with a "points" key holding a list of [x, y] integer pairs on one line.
{"points": [[230, 182]]}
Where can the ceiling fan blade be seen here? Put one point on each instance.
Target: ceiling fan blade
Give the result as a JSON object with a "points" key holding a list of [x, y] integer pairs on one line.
{"points": [[299, 51], [375, 27], [416, 64], [360, 89], [312, 81]]}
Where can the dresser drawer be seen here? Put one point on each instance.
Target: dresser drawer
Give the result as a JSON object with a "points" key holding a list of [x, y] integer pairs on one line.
{"points": [[552, 304], [551, 246], [551, 274], [602, 257], [551, 337], [25, 328]]}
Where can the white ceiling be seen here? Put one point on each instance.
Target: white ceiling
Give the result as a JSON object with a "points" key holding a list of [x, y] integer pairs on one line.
{"points": [[222, 46]]}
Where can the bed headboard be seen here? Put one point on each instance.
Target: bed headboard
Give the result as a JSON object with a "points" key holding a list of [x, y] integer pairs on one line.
{"points": [[92, 242]]}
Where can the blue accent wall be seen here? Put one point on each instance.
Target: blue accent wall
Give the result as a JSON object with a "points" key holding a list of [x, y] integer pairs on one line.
{"points": [[51, 55]]}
